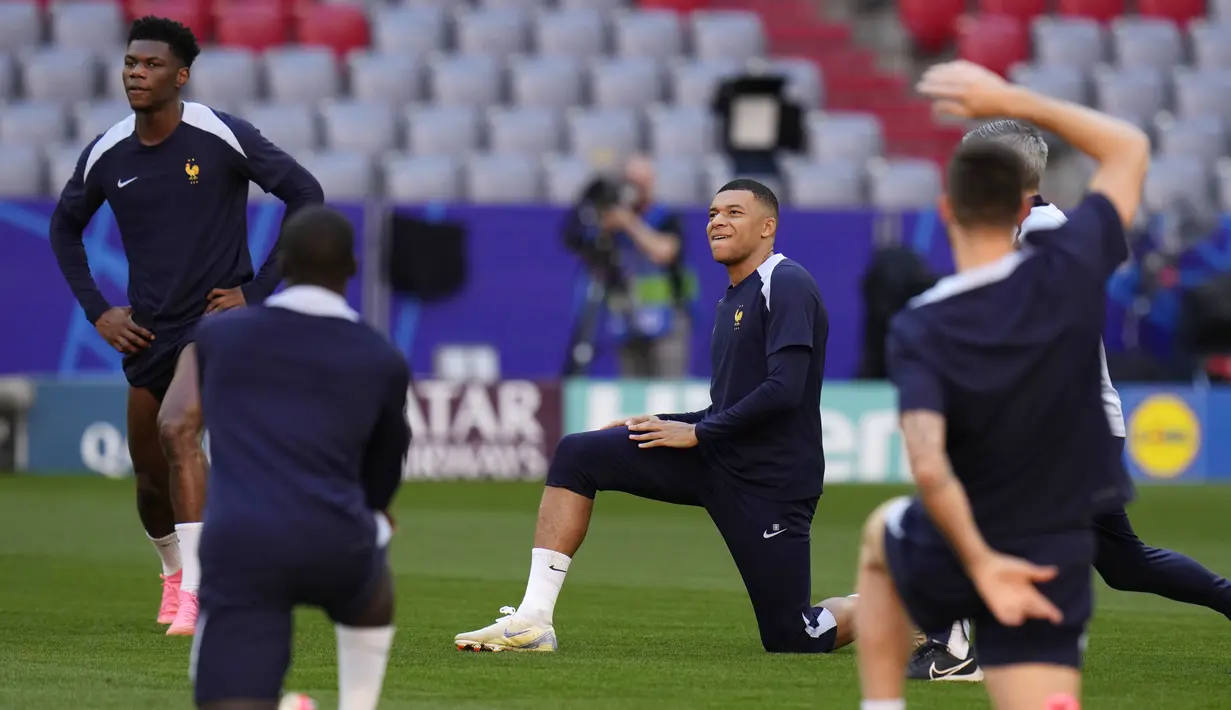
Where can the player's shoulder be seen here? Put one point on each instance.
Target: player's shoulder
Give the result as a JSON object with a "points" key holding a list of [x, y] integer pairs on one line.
{"points": [[1094, 213], [1043, 217], [231, 130], [105, 143], [952, 290], [782, 277]]}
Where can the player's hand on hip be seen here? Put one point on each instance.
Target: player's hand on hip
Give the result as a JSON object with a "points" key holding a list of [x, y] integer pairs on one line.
{"points": [[1007, 586], [118, 329], [639, 419], [660, 432], [224, 299], [966, 90]]}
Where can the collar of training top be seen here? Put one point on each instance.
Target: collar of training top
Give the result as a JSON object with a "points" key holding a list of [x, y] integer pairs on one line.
{"points": [[1038, 201], [313, 301]]}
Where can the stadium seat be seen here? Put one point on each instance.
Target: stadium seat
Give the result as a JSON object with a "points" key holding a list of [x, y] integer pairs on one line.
{"points": [[523, 6], [834, 185], [1202, 92], [496, 32], [717, 171], [904, 184], [1220, 10], [1146, 42], [96, 26], [844, 137], [1177, 10], [61, 162], [359, 126], [680, 130], [20, 26], [441, 130], [930, 23], [692, 83], [1223, 178], [564, 177], [421, 178], [1135, 95], [21, 171], [1021, 10], [414, 29], [32, 123], [677, 180], [1200, 137], [384, 77], [1099, 10], [804, 81], [607, 5], [627, 82], [61, 74], [92, 119], [651, 33], [291, 127], [341, 28], [603, 135], [465, 80], [727, 34], [501, 179], [1211, 43], [524, 130], [301, 74], [1056, 81], [224, 75], [193, 13], [342, 175], [993, 41], [579, 34], [257, 29], [1072, 42], [552, 82], [1177, 179]]}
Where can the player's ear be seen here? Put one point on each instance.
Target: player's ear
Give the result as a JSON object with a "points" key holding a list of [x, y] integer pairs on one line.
{"points": [[769, 227], [181, 77], [1024, 211], [945, 209]]}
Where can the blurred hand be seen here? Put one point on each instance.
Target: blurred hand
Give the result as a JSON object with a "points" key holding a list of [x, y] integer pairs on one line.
{"points": [[662, 432], [118, 329], [224, 299], [966, 90], [639, 419], [1007, 586]]}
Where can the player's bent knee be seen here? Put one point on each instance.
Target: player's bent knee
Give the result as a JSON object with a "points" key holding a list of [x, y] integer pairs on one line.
{"points": [[567, 468], [180, 427], [872, 546]]}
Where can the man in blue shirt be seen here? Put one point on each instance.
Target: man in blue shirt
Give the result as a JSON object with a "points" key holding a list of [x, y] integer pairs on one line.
{"points": [[752, 459], [176, 175], [997, 371], [306, 409]]}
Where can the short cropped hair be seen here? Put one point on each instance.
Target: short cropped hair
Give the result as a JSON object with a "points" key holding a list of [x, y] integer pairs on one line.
{"points": [[318, 245], [1027, 140], [986, 181], [177, 36], [763, 194]]}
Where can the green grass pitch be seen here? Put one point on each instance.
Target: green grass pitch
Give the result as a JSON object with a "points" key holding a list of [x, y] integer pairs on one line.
{"points": [[653, 613]]}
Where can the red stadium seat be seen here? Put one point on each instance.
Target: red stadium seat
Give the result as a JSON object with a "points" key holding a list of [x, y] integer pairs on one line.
{"points": [[993, 41], [1024, 10], [256, 28], [339, 27], [1101, 10], [193, 13], [930, 23], [1178, 10], [677, 5]]}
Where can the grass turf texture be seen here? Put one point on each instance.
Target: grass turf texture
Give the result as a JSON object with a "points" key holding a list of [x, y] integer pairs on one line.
{"points": [[653, 613]]}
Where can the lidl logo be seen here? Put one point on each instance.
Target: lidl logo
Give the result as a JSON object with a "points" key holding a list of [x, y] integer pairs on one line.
{"points": [[1164, 436]]}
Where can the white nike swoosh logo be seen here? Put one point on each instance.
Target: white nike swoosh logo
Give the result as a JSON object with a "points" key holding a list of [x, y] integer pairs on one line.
{"points": [[937, 673], [122, 183], [767, 534]]}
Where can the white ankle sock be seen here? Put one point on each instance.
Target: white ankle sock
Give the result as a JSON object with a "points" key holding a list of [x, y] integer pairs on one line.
{"points": [[883, 705], [363, 655], [168, 549], [190, 541], [959, 640], [547, 571]]}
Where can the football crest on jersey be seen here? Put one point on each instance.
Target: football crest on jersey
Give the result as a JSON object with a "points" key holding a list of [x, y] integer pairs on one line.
{"points": [[192, 170], [739, 316]]}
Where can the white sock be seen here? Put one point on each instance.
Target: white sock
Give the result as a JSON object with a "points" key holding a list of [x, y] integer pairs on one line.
{"points": [[899, 704], [190, 541], [547, 571], [168, 549], [363, 655], [959, 640]]}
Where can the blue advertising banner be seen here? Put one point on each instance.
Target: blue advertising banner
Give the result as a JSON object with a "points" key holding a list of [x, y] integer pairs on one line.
{"points": [[54, 334]]}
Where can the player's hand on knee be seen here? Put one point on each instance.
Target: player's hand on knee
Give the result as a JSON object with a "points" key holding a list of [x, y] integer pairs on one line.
{"points": [[118, 329], [224, 299], [660, 432], [1007, 586], [639, 419], [966, 90]]}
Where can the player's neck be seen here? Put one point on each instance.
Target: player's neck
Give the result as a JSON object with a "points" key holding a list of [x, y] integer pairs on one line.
{"points": [[154, 127], [980, 247], [742, 270]]}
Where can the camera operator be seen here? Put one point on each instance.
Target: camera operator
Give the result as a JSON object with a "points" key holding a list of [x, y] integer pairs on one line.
{"points": [[633, 248]]}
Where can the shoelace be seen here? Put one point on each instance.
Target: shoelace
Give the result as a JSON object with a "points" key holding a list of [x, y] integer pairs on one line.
{"points": [[507, 611]]}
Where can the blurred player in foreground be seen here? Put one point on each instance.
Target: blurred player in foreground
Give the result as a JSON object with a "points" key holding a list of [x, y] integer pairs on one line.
{"points": [[753, 459], [997, 371], [1122, 560], [176, 176], [305, 407]]}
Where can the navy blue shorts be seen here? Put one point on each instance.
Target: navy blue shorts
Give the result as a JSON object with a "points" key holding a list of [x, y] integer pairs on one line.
{"points": [[936, 592], [242, 647], [153, 368], [769, 540]]}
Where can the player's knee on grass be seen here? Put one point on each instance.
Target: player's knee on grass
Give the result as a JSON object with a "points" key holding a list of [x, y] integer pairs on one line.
{"points": [[843, 611], [379, 609], [567, 468], [872, 542]]}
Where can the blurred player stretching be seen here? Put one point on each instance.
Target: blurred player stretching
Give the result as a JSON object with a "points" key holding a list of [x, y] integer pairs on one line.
{"points": [[176, 176]]}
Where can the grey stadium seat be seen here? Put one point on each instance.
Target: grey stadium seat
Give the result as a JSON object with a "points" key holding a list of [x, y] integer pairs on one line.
{"points": [[905, 184], [88, 25], [1223, 172], [1146, 42], [441, 130], [62, 161], [225, 75], [680, 130], [8, 75], [21, 171], [1211, 43], [677, 180], [693, 82], [1073, 41], [93, 119], [465, 80], [291, 127], [579, 34], [593, 4], [602, 135], [301, 74], [359, 126], [496, 32], [385, 77], [564, 177], [628, 82], [413, 29], [1056, 81], [716, 172], [20, 26], [1132, 94], [32, 123], [827, 185], [727, 34], [553, 82], [651, 33], [804, 81], [1201, 137], [64, 75], [502, 179], [844, 136], [523, 6], [526, 130], [1203, 92], [343, 175], [1174, 179], [421, 178]]}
